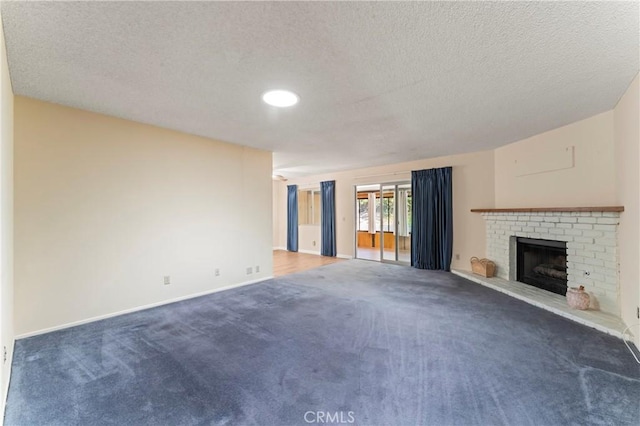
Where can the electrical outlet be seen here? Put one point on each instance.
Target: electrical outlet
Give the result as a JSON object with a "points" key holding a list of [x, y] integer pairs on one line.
{"points": [[217, 272], [457, 256], [249, 270], [167, 279], [314, 243], [257, 269], [4, 357]]}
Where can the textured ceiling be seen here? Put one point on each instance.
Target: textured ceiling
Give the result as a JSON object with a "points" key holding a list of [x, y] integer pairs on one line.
{"points": [[379, 82]]}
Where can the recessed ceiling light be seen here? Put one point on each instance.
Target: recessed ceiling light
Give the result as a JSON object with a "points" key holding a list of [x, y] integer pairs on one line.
{"points": [[280, 98]]}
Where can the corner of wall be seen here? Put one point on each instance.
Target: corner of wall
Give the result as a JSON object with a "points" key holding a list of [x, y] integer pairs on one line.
{"points": [[627, 162], [6, 223], [276, 198]]}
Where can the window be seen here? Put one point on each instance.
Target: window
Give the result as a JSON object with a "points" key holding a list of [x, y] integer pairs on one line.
{"points": [[388, 214], [309, 207], [408, 212], [363, 214], [385, 211], [377, 213]]}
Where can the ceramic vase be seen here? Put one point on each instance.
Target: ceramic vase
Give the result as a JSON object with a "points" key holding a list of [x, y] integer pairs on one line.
{"points": [[577, 298]]}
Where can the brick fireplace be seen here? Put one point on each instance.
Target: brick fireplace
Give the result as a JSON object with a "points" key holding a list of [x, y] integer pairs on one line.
{"points": [[591, 241]]}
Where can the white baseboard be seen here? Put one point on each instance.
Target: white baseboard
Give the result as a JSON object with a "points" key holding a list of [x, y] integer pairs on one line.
{"points": [[317, 253], [139, 308], [340, 256]]}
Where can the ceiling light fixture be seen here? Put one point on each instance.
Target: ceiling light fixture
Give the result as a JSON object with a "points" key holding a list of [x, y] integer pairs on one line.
{"points": [[280, 98]]}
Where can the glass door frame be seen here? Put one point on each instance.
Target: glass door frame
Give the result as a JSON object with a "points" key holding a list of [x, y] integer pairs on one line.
{"points": [[394, 189], [396, 238], [380, 191]]}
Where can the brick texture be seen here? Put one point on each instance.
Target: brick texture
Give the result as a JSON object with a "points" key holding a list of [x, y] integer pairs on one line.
{"points": [[592, 249]]}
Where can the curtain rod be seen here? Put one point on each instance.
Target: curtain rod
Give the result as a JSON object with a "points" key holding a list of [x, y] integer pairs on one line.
{"points": [[385, 174]]}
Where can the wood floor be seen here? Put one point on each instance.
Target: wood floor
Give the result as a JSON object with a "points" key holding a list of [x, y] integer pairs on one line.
{"points": [[286, 262]]}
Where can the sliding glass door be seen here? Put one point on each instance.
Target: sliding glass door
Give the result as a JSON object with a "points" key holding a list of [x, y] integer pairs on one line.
{"points": [[403, 223], [383, 222], [367, 222], [387, 228]]}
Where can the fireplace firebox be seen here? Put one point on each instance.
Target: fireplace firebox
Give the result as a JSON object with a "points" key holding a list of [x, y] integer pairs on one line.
{"points": [[542, 263]]}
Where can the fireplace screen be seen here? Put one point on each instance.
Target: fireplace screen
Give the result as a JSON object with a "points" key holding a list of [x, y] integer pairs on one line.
{"points": [[543, 264]]}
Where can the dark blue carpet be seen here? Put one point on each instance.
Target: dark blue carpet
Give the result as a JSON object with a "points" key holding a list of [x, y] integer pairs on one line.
{"points": [[378, 344]]}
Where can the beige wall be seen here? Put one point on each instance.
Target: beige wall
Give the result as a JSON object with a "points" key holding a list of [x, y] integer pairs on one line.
{"points": [[6, 220], [275, 223], [473, 187], [279, 207], [525, 175], [106, 207], [627, 145]]}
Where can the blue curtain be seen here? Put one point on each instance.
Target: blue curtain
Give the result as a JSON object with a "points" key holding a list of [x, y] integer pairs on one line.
{"points": [[292, 217], [432, 219], [328, 218]]}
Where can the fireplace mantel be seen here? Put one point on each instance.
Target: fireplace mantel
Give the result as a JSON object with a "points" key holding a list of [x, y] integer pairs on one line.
{"points": [[551, 209]]}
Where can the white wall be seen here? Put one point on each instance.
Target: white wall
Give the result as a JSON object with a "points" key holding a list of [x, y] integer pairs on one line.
{"points": [[473, 187], [627, 148], [105, 208], [6, 221], [590, 181]]}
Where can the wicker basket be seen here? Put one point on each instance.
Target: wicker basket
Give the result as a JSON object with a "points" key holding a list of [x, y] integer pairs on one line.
{"points": [[483, 267]]}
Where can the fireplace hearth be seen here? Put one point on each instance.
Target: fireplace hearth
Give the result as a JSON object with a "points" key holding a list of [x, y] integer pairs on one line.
{"points": [[542, 264]]}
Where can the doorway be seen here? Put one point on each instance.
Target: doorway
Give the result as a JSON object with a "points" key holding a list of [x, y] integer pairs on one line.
{"points": [[383, 222]]}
